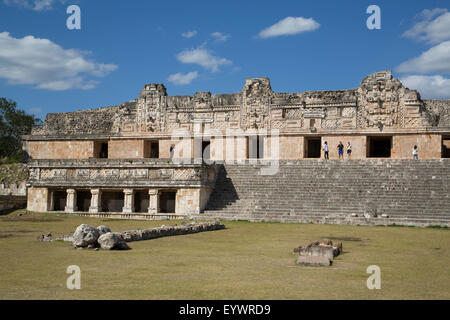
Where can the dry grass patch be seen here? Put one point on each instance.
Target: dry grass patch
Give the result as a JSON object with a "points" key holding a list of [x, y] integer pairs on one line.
{"points": [[244, 261]]}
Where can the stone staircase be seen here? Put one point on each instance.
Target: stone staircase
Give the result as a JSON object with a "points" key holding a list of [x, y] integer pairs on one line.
{"points": [[335, 191]]}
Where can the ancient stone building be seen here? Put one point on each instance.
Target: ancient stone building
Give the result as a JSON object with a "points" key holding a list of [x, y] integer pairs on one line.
{"points": [[161, 154]]}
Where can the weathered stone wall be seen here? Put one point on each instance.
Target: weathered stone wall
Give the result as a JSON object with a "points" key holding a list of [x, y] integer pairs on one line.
{"points": [[9, 203], [428, 146], [290, 147], [380, 105], [380, 100], [188, 201], [94, 121], [37, 199], [60, 149], [126, 149], [440, 111]]}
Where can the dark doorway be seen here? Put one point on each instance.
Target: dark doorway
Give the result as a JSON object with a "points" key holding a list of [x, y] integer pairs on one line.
{"points": [[206, 153], [112, 201], [256, 147], [167, 201], [141, 201], [379, 147], [445, 147], [151, 149], [83, 200], [312, 148], [59, 200], [101, 149]]}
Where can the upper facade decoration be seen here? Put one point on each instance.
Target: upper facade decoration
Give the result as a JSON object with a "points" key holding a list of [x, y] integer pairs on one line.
{"points": [[380, 102]]}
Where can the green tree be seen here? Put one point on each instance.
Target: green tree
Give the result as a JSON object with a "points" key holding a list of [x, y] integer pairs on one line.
{"points": [[13, 124]]}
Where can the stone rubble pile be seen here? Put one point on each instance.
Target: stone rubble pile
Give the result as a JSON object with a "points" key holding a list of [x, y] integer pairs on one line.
{"points": [[86, 236], [318, 253]]}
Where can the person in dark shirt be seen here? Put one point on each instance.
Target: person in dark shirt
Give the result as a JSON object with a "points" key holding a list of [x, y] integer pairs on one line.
{"points": [[341, 150]]}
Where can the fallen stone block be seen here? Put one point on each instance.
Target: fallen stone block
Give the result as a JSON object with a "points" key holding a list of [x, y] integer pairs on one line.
{"points": [[103, 229], [85, 235], [314, 260], [110, 241]]}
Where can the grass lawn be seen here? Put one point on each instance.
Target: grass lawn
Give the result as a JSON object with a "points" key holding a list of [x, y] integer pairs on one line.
{"points": [[244, 261]]}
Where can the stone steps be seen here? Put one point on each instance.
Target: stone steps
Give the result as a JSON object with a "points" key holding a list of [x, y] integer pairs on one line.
{"points": [[314, 189]]}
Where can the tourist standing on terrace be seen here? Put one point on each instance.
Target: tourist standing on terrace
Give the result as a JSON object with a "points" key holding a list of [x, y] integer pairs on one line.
{"points": [[341, 150], [349, 150], [415, 153], [325, 149]]}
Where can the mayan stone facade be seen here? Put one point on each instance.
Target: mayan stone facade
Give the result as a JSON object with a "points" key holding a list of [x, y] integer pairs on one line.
{"points": [[150, 149]]}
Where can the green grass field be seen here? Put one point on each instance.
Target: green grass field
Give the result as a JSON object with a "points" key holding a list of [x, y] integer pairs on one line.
{"points": [[244, 261]]}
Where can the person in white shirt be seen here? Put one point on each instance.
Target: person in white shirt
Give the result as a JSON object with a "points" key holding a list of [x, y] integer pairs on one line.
{"points": [[325, 149], [415, 153], [349, 150]]}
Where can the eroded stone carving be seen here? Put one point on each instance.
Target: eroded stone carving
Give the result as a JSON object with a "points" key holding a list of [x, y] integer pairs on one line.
{"points": [[380, 101]]}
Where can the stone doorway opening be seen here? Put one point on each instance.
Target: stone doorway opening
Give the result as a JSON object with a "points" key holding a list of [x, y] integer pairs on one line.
{"points": [[83, 200], [312, 147], [255, 147], [446, 147], [141, 201], [206, 150], [59, 199], [101, 149], [167, 201], [379, 147], [112, 201], [151, 149]]}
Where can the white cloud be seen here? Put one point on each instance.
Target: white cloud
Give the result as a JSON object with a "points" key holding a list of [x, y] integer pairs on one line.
{"points": [[431, 30], [36, 5], [219, 36], [46, 65], [289, 26], [180, 78], [434, 60], [189, 34], [429, 87], [204, 58]]}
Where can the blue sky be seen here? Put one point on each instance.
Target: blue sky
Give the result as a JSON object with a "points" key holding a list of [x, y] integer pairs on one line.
{"points": [[213, 46]]}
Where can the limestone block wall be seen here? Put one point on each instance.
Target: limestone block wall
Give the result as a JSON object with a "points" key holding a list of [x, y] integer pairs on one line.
{"points": [[164, 148], [37, 199], [428, 145], [229, 148], [126, 149], [188, 201], [289, 147], [60, 149], [358, 143]]}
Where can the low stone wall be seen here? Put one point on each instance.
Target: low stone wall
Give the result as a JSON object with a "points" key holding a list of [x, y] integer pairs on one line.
{"points": [[9, 203], [164, 231]]}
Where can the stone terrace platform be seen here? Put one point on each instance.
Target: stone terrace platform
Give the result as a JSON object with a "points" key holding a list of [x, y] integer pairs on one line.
{"points": [[408, 192]]}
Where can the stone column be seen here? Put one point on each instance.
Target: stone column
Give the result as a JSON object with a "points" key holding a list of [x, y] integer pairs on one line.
{"points": [[128, 201], [153, 203], [71, 201], [50, 201], [96, 201]]}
